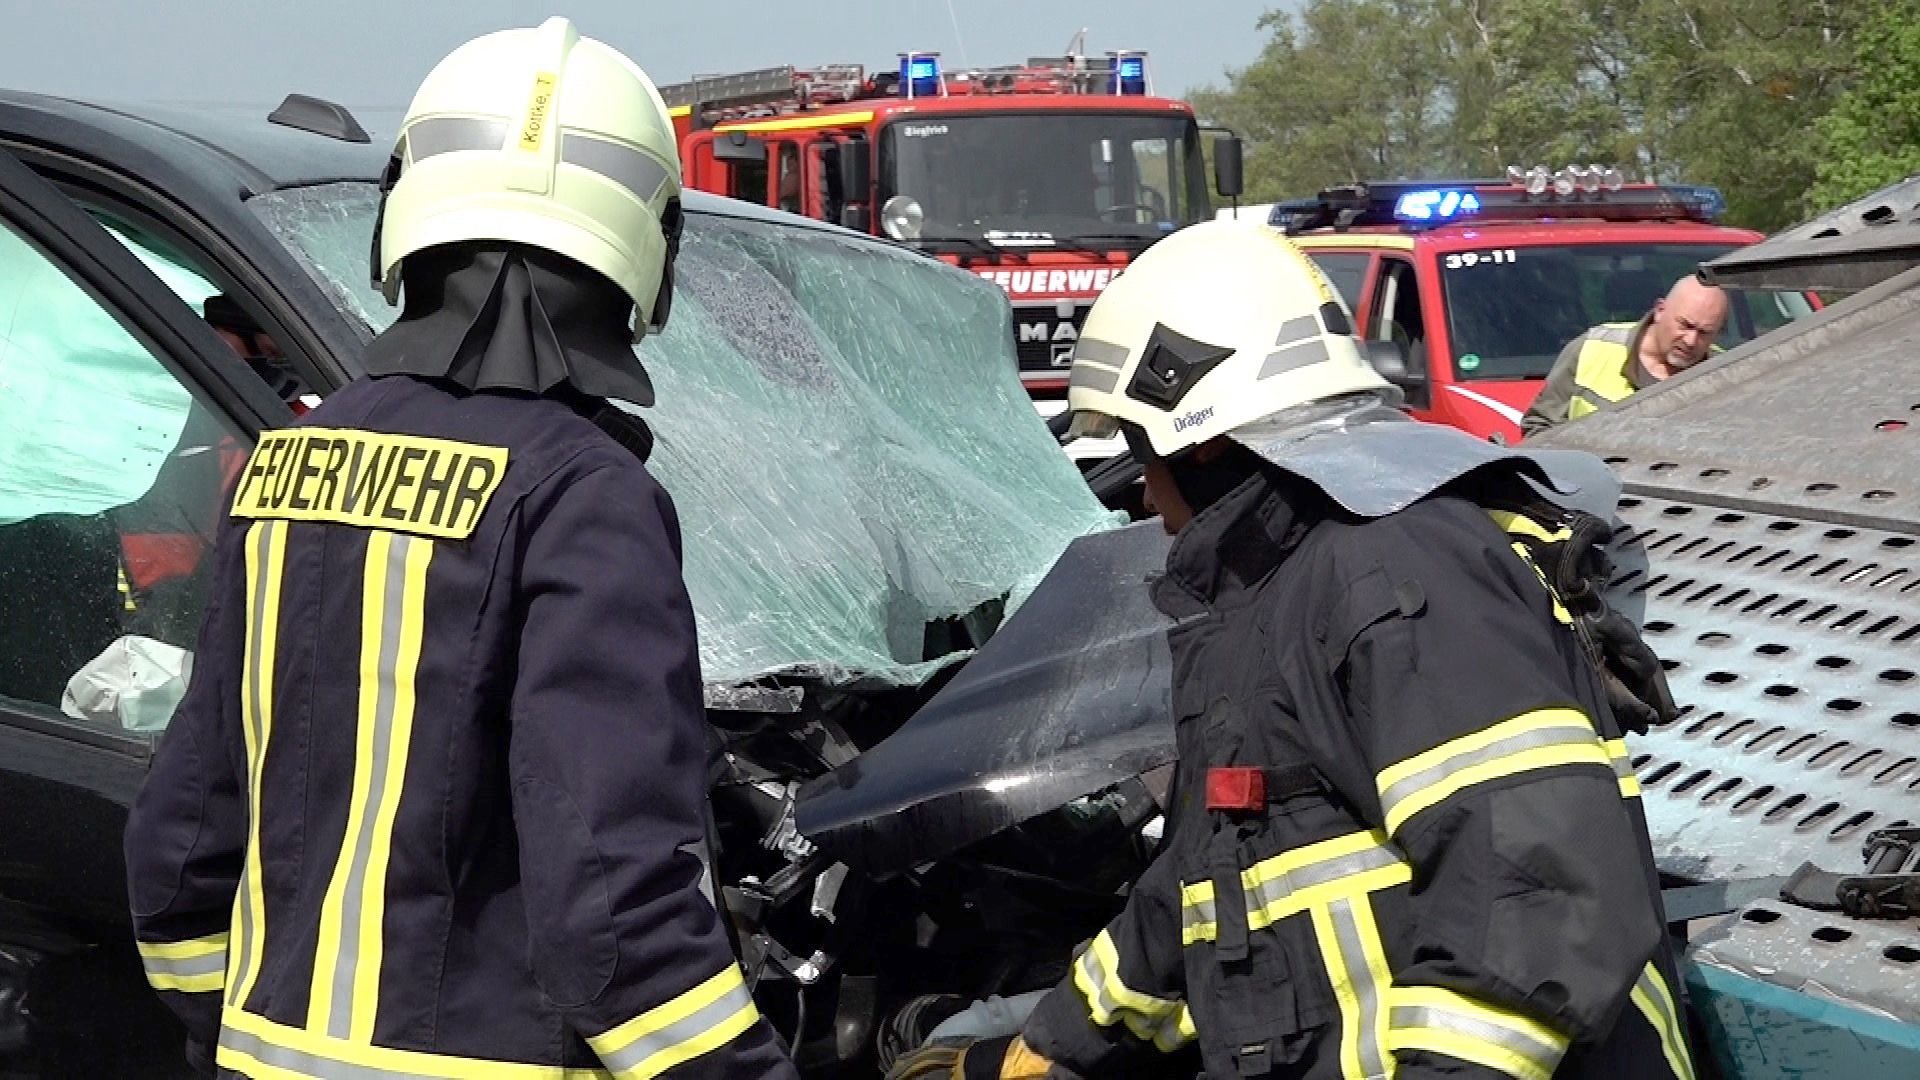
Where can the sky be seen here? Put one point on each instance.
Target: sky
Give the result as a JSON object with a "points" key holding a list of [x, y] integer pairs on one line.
{"points": [[245, 55]]}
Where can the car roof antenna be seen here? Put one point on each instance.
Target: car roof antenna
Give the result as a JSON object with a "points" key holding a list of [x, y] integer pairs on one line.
{"points": [[320, 117]]}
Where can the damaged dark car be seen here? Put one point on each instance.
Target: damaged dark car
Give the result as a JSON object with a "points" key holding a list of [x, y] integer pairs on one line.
{"points": [[937, 688]]}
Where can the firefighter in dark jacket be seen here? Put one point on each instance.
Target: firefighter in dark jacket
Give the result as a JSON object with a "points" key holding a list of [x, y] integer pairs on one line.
{"points": [[433, 805], [1404, 839]]}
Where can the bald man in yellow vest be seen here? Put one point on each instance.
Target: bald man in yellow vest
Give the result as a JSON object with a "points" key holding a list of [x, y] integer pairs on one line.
{"points": [[1612, 361]]}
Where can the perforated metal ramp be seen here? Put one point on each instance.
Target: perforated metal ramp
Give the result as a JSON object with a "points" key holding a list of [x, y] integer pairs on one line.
{"points": [[1775, 493], [1793, 646]]}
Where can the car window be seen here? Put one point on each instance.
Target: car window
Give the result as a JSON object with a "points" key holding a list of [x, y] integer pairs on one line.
{"points": [[111, 472], [1397, 315], [841, 425], [1347, 270]]}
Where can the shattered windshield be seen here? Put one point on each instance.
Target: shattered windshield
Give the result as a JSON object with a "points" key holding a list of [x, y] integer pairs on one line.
{"points": [[1032, 178], [841, 425]]}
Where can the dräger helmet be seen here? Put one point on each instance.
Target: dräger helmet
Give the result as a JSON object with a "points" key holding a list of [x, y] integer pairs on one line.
{"points": [[545, 138], [1215, 327]]}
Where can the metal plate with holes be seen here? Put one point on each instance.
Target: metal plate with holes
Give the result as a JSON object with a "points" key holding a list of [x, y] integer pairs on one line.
{"points": [[1794, 648], [1874, 965], [1861, 243]]}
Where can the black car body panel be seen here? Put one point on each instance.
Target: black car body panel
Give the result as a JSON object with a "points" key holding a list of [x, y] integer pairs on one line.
{"points": [[1073, 695]]}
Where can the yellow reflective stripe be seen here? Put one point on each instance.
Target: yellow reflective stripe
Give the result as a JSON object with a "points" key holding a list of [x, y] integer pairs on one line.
{"points": [[1651, 997], [800, 123], [1164, 1022], [266, 556], [692, 1025], [1334, 241], [346, 972], [1356, 965], [1439, 1021], [195, 966], [126, 589], [1198, 916], [1295, 880], [1622, 759], [1522, 525], [1546, 738], [265, 1050]]}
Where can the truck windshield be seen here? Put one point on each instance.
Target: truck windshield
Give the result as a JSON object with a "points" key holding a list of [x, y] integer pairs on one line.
{"points": [[1510, 310], [1027, 178]]}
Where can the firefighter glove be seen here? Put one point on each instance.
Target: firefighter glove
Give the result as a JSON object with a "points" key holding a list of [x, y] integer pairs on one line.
{"points": [[1636, 680], [1005, 1057]]}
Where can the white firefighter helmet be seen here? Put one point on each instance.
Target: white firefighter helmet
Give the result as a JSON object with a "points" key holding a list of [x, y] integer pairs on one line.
{"points": [[1214, 328], [545, 138]]}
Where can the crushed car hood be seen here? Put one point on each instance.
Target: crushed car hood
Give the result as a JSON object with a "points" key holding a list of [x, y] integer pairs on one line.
{"points": [[1074, 694]]}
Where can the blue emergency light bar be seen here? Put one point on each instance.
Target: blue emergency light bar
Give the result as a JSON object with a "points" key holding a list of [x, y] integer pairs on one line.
{"points": [[1429, 205], [1129, 75], [920, 74], [1436, 205]]}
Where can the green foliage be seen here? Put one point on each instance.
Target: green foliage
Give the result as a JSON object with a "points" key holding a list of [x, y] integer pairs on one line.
{"points": [[1757, 97], [1872, 136]]}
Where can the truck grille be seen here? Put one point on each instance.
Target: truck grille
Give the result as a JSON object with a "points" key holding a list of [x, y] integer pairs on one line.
{"points": [[1043, 339]]}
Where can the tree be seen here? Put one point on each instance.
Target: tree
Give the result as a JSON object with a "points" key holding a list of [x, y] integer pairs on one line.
{"points": [[1740, 88], [1346, 90], [1871, 138], [1723, 92]]}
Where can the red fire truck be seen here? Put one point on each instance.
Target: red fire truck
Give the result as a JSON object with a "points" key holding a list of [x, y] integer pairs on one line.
{"points": [[1481, 283], [1045, 178]]}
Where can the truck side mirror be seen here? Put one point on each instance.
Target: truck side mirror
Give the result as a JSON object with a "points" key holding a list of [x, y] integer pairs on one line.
{"points": [[1390, 360], [739, 148], [1229, 167]]}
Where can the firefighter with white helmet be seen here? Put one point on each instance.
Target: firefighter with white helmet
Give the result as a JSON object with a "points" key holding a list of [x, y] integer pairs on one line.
{"points": [[1404, 838], [433, 804]]}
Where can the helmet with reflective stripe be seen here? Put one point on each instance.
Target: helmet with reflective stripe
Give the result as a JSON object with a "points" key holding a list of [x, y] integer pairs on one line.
{"points": [[1218, 326], [545, 138]]}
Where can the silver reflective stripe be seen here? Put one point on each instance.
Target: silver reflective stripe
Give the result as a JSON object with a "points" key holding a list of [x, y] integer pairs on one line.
{"points": [[340, 1020], [1543, 1054], [1567, 734], [710, 1016], [213, 963], [1151, 1019], [1366, 993], [1294, 357], [301, 1063], [1273, 891], [444, 134], [1101, 353], [1299, 329], [1101, 380], [633, 169], [1200, 913]]}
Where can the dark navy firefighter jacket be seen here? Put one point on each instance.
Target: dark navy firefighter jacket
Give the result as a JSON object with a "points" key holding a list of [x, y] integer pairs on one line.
{"points": [[433, 805]]}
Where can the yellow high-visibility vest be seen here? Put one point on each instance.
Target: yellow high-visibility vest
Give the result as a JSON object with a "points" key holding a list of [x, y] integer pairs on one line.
{"points": [[1600, 377]]}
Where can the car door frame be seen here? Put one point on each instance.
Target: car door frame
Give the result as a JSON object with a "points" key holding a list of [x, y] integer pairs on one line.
{"points": [[91, 771]]}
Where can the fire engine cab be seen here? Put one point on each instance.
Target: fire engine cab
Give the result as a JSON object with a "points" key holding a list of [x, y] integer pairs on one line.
{"points": [[1046, 178], [1482, 283]]}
